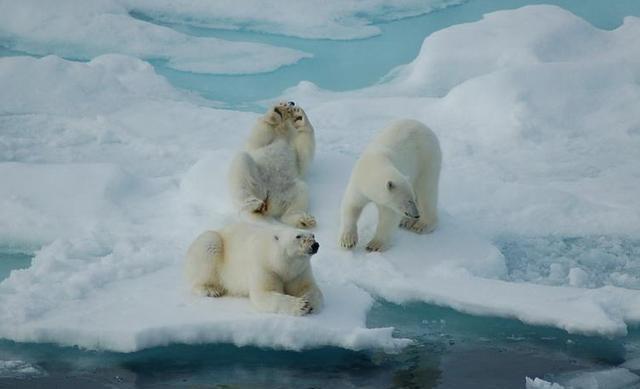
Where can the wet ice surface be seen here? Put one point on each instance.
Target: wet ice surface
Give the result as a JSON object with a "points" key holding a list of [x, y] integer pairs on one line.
{"points": [[589, 261]]}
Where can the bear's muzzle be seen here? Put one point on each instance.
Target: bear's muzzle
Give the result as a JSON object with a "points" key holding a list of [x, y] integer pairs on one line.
{"points": [[314, 247]]}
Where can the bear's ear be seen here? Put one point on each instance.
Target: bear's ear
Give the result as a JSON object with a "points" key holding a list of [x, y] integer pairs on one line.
{"points": [[390, 185], [275, 237]]}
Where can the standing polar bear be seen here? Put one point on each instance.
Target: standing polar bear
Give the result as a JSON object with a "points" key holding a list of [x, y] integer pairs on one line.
{"points": [[270, 265], [398, 171], [266, 178]]}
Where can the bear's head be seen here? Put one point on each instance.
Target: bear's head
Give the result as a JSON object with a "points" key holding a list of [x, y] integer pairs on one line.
{"points": [[294, 248], [397, 193], [296, 243]]}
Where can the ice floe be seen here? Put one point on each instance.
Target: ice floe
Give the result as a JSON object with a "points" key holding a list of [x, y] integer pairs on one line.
{"points": [[136, 169], [85, 29], [334, 19]]}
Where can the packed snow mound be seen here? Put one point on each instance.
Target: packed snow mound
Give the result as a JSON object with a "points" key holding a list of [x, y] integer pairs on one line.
{"points": [[104, 84], [541, 34], [112, 108], [332, 19], [540, 135], [40, 202], [85, 29]]}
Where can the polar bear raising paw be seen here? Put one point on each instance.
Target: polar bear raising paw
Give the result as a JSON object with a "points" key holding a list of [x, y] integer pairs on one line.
{"points": [[399, 172], [270, 265], [266, 178]]}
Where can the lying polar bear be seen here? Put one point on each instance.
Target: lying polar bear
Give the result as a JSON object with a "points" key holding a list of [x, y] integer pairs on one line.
{"points": [[265, 179], [270, 265], [398, 171]]}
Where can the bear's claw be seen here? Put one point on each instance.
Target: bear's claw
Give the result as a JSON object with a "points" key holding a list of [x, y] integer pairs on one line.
{"points": [[412, 225], [375, 245], [306, 221], [349, 240], [258, 206], [212, 290], [303, 307]]}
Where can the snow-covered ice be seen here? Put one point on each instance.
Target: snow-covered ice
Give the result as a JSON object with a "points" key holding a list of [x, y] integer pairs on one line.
{"points": [[113, 172], [333, 19], [538, 383], [614, 378], [19, 369], [85, 29]]}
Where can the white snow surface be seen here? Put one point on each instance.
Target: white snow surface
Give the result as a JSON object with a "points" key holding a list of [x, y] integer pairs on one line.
{"points": [[538, 383], [19, 369], [114, 182], [614, 378], [84, 29], [328, 19]]}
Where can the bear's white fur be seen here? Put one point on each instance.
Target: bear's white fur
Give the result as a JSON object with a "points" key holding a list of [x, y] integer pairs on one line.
{"points": [[398, 171], [266, 178], [269, 264]]}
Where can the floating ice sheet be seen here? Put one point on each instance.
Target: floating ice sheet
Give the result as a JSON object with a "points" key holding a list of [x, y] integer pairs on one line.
{"points": [[85, 29], [150, 172], [334, 19]]}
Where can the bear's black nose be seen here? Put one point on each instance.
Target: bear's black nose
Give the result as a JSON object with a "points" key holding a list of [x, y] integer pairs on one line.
{"points": [[314, 247], [291, 103]]}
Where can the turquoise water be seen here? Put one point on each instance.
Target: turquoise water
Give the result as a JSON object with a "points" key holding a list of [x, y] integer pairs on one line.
{"points": [[11, 260], [451, 350], [346, 65]]}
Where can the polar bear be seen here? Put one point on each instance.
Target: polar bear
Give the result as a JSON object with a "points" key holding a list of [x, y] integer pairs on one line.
{"points": [[269, 264], [266, 178], [398, 171]]}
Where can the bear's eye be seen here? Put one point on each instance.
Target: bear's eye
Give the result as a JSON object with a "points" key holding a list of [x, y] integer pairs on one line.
{"points": [[298, 236], [276, 237]]}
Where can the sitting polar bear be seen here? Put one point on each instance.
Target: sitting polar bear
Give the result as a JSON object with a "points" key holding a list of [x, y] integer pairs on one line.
{"points": [[270, 265], [399, 172], [265, 179]]}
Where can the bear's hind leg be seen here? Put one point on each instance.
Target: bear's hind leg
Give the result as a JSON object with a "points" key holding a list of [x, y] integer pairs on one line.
{"points": [[296, 214], [203, 258], [247, 188]]}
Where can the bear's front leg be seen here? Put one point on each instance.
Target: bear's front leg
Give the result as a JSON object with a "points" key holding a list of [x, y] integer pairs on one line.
{"points": [[275, 302], [266, 295], [351, 211], [387, 221], [305, 286]]}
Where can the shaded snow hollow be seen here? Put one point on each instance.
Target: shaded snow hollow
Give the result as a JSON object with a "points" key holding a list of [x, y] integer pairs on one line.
{"points": [[114, 173]]}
